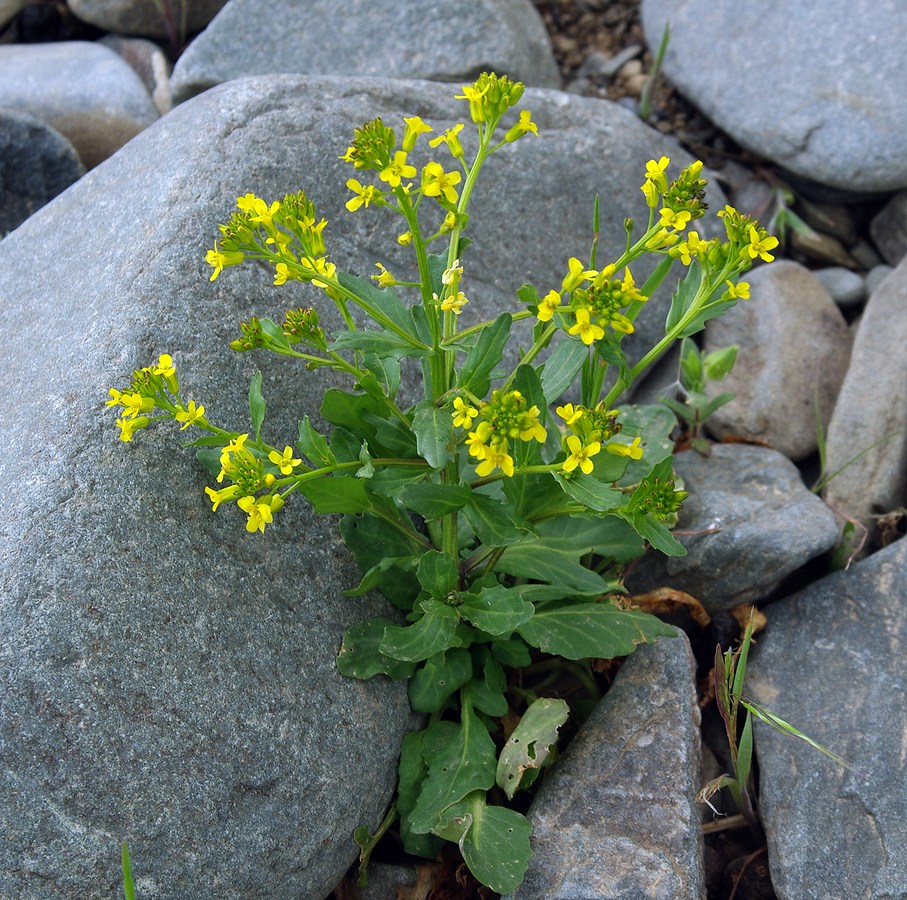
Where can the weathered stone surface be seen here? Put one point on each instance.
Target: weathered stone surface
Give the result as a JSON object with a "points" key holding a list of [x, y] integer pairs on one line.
{"points": [[832, 664], [766, 526], [214, 731], [84, 90], [442, 41], [872, 406], [889, 229], [148, 61], [144, 17], [617, 817], [36, 164], [845, 287], [794, 348], [821, 89]]}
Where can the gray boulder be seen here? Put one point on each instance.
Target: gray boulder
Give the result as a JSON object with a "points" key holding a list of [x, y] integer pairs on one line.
{"points": [[443, 41], [84, 90], [616, 817], [831, 663], [170, 678], [816, 87], [794, 349], [889, 229], [872, 408], [144, 17], [36, 164], [748, 523]]}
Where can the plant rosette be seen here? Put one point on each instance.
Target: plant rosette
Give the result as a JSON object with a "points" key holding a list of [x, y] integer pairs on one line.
{"points": [[494, 516]]}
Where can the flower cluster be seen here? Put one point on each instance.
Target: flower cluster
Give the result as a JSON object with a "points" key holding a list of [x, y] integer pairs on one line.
{"points": [[592, 431], [506, 417], [285, 232]]}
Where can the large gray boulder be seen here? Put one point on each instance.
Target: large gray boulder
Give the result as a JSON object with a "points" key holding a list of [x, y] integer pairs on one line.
{"points": [[145, 17], [831, 663], [441, 40], [170, 678], [818, 87]]}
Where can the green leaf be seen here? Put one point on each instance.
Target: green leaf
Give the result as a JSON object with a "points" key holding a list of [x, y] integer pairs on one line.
{"points": [[497, 610], [385, 300], [601, 630], [561, 367], [489, 519], [439, 677], [461, 758], [654, 423], [345, 445], [485, 355], [438, 573], [528, 294], [434, 632], [392, 438], [684, 296], [432, 501], [589, 491], [513, 653], [257, 405], [434, 431], [128, 883], [486, 692], [210, 459], [360, 657], [494, 841], [531, 743], [383, 343], [389, 569], [336, 494], [391, 481], [274, 332], [386, 370], [349, 411], [313, 445], [412, 771], [656, 533]]}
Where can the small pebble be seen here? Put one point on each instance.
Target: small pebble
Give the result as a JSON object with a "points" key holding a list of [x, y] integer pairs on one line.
{"points": [[877, 274], [847, 288]]}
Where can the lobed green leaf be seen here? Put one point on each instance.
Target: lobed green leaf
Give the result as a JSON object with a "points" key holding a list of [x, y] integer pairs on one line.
{"points": [[530, 744]]}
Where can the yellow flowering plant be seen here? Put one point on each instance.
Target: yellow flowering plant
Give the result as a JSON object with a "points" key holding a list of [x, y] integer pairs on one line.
{"points": [[493, 514]]}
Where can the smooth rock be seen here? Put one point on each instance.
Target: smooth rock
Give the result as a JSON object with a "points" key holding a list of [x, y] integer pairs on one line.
{"points": [[148, 61], [794, 347], [875, 276], [243, 772], [83, 90], [36, 164], [453, 40], [872, 408], [616, 817], [888, 229], [824, 93], [831, 663], [144, 17], [748, 523], [845, 287]]}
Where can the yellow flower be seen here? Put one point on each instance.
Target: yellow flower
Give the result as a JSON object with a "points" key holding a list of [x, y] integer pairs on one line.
{"points": [[576, 274], [115, 396], [581, 455], [384, 278], [496, 457], [134, 403], [651, 194], [128, 427], [190, 415], [450, 138], [570, 413], [260, 511], [365, 194], [284, 461], [587, 331], [397, 170], [436, 182], [164, 366], [449, 276], [655, 173], [464, 414], [455, 303], [222, 496], [523, 126], [405, 239], [739, 291], [547, 306], [414, 127], [218, 259], [281, 273], [634, 450], [760, 246], [671, 219]]}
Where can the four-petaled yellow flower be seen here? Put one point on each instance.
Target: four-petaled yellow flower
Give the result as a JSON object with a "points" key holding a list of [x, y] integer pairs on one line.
{"points": [[134, 403], [634, 450], [464, 413], [521, 127], [495, 458], [365, 194], [284, 461], [281, 273], [217, 259], [581, 455], [260, 511], [436, 182], [570, 413], [128, 427], [385, 279], [222, 496], [547, 305], [450, 138], [190, 415], [655, 173], [449, 276], [739, 291], [454, 302], [672, 219], [576, 274], [397, 170], [164, 366], [760, 246], [587, 331]]}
